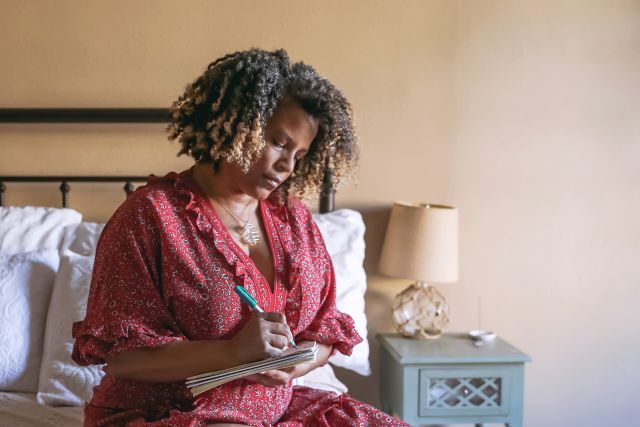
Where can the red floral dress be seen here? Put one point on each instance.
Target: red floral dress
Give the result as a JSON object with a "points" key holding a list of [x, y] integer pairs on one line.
{"points": [[165, 271]]}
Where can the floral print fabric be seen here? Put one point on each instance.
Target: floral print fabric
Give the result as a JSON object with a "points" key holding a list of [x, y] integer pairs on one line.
{"points": [[165, 271]]}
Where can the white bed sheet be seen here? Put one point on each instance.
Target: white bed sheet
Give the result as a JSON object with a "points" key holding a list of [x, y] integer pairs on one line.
{"points": [[22, 410]]}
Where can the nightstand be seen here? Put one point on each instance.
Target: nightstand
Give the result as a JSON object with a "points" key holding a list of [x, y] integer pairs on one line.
{"points": [[451, 381]]}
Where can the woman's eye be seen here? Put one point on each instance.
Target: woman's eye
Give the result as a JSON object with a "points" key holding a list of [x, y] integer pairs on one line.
{"points": [[278, 144]]}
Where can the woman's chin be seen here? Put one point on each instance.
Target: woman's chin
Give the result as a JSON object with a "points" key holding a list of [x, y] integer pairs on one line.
{"points": [[261, 193]]}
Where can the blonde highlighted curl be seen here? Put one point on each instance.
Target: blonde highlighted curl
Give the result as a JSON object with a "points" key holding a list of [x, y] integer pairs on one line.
{"points": [[222, 116]]}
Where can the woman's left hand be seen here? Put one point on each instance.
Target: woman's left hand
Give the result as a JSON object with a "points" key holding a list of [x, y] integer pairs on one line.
{"points": [[279, 377], [275, 377]]}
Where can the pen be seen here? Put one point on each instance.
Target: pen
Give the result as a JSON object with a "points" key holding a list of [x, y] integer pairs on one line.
{"points": [[251, 302]]}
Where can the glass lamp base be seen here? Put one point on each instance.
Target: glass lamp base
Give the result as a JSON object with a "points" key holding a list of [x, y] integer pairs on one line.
{"points": [[420, 311]]}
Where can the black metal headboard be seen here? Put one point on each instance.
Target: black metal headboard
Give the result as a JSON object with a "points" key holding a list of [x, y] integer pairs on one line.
{"points": [[108, 115], [65, 180]]}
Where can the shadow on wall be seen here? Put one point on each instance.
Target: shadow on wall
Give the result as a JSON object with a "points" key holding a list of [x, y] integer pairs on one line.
{"points": [[375, 221], [366, 389], [378, 303]]}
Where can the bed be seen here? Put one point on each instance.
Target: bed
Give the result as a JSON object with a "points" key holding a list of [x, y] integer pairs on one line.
{"points": [[46, 258]]}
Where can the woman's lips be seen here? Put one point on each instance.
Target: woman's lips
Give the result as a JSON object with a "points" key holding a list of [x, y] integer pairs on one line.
{"points": [[271, 183]]}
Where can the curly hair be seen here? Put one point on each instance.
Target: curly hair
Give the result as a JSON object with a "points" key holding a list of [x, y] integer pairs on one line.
{"points": [[222, 116]]}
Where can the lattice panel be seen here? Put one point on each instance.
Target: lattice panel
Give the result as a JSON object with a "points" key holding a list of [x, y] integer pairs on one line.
{"points": [[464, 392]]}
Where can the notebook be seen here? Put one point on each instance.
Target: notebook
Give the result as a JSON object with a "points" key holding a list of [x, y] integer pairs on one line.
{"points": [[304, 354]]}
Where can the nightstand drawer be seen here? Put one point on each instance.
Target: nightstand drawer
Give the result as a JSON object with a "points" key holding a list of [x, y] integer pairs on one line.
{"points": [[464, 390]]}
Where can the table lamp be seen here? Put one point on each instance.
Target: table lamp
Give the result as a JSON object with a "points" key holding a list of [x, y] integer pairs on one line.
{"points": [[421, 244]]}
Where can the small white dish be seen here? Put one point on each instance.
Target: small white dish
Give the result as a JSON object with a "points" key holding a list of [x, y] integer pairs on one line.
{"points": [[482, 336]]}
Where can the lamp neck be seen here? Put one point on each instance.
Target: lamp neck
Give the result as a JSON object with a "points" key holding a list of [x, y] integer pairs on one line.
{"points": [[421, 284]]}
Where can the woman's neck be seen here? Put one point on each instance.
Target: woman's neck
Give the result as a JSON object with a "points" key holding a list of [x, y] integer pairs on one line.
{"points": [[218, 188]]}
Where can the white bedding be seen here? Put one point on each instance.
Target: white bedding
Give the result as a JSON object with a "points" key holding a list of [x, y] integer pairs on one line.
{"points": [[22, 410]]}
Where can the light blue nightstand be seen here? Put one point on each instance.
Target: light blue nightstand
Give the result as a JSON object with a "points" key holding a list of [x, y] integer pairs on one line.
{"points": [[451, 381]]}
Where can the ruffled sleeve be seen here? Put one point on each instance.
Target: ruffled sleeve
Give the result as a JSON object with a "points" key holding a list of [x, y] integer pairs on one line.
{"points": [[329, 326], [125, 309]]}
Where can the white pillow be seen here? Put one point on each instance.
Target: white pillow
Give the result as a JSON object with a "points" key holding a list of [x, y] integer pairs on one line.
{"points": [[322, 378], [81, 238], [25, 288], [343, 233], [30, 228], [62, 381]]}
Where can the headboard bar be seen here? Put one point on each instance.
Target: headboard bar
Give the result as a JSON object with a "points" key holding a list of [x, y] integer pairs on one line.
{"points": [[84, 115], [65, 180], [326, 197]]}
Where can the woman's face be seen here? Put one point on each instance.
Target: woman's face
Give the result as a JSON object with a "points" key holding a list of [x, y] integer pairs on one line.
{"points": [[288, 134]]}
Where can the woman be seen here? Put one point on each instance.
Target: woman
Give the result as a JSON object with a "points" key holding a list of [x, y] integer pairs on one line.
{"points": [[162, 306]]}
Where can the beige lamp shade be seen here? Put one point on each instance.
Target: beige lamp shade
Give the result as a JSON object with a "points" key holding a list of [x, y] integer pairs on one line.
{"points": [[421, 243]]}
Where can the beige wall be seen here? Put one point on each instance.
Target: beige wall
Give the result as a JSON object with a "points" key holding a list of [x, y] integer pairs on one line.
{"points": [[522, 114], [545, 170]]}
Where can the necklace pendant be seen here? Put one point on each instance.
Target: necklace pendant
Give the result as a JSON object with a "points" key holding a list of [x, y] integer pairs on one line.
{"points": [[248, 235]]}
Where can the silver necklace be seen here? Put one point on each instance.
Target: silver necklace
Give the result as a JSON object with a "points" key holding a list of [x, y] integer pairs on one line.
{"points": [[248, 234]]}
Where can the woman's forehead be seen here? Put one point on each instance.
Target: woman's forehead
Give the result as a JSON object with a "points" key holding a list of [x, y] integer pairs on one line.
{"points": [[292, 120]]}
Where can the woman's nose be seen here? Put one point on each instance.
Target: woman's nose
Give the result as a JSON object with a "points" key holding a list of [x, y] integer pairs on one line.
{"points": [[286, 163]]}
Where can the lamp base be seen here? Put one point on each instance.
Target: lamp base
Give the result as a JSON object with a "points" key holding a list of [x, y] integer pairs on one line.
{"points": [[420, 311]]}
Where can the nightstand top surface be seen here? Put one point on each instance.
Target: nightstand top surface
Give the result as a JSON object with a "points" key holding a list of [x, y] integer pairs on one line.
{"points": [[450, 348]]}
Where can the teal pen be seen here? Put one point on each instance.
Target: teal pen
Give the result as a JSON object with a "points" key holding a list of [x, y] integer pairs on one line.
{"points": [[251, 302]]}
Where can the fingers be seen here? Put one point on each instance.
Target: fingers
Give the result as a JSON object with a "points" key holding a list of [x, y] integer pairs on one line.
{"points": [[278, 376], [277, 324], [272, 378], [265, 335], [273, 317], [282, 330], [278, 341]]}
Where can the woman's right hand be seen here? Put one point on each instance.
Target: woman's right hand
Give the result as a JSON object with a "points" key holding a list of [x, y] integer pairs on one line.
{"points": [[265, 335]]}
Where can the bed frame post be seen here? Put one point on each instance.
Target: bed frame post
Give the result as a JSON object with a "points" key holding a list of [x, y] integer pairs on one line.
{"points": [[2, 189], [64, 189], [128, 188], [327, 194]]}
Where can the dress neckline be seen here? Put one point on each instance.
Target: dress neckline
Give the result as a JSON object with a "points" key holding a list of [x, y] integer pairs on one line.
{"points": [[271, 290]]}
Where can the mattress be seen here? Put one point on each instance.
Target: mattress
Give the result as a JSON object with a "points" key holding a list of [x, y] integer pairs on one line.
{"points": [[22, 410]]}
